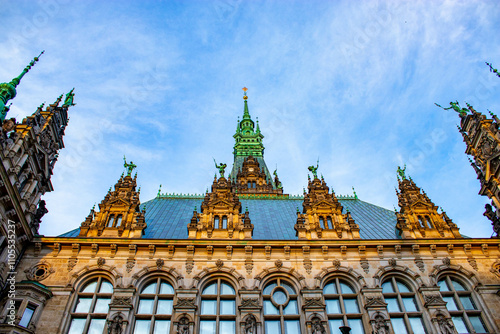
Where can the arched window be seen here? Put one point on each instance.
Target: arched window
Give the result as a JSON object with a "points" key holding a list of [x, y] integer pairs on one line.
{"points": [[464, 312], [118, 220], [342, 306], [329, 221], [249, 184], [403, 307], [281, 311], [422, 222], [218, 308], [216, 222], [154, 308], [224, 222], [111, 220], [91, 307], [254, 184], [429, 223], [321, 222]]}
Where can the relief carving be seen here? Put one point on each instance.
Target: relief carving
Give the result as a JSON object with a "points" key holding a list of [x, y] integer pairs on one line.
{"points": [[317, 326], [250, 302], [250, 325], [185, 303]]}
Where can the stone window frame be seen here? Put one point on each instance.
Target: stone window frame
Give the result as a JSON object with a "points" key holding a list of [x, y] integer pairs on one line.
{"points": [[414, 293], [282, 317], [27, 294], [79, 292], [455, 294], [343, 315], [146, 281], [218, 279]]}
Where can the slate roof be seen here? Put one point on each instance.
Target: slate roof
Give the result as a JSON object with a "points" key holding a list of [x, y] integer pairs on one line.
{"points": [[273, 219]]}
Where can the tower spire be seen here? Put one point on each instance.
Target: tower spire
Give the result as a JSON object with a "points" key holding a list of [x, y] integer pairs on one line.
{"points": [[8, 90]]}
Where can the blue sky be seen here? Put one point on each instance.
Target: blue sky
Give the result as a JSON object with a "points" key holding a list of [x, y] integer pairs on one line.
{"points": [[351, 82]]}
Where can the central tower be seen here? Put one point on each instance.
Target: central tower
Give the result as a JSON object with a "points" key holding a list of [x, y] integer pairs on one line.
{"points": [[250, 174]]}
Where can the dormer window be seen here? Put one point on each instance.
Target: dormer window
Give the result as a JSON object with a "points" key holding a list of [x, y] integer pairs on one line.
{"points": [[111, 221], [119, 221]]}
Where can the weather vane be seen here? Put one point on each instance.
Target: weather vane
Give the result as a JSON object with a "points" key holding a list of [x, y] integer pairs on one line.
{"points": [[245, 93]]}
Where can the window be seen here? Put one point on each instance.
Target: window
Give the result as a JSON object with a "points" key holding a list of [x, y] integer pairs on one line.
{"points": [[403, 307], [119, 221], [91, 307], [342, 306], [111, 220], [27, 315], [224, 222], [154, 308], [216, 222], [463, 310], [322, 222], [329, 221], [281, 311], [218, 308]]}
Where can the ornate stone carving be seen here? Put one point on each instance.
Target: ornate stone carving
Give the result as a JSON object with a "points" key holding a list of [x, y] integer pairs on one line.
{"points": [[278, 263], [336, 264], [219, 264], [159, 263], [434, 300], [472, 263], [39, 272], [100, 262], [379, 324], [393, 262], [186, 303], [317, 326], [250, 325], [495, 268], [418, 216], [375, 302], [130, 265], [313, 302], [72, 263], [250, 303], [117, 325], [444, 324], [121, 301], [119, 214], [322, 216], [365, 265], [308, 265], [183, 326], [446, 261], [420, 263]]}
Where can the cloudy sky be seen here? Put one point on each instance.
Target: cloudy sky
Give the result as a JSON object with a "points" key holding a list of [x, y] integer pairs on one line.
{"points": [[353, 83]]}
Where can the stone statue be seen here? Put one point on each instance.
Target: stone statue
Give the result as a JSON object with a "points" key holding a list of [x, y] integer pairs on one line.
{"points": [[379, 325], [495, 221], [455, 106], [221, 168], [40, 212], [115, 326], [130, 166], [314, 170], [183, 326], [401, 172], [250, 325], [445, 327], [317, 327], [69, 99]]}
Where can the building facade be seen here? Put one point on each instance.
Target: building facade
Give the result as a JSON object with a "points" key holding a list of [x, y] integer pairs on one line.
{"points": [[245, 257]]}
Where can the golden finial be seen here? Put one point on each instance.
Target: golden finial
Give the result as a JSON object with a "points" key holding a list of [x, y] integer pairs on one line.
{"points": [[245, 93]]}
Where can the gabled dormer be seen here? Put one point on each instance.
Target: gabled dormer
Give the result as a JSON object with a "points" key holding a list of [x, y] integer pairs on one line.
{"points": [[252, 179], [220, 216], [418, 216], [322, 215], [119, 214]]}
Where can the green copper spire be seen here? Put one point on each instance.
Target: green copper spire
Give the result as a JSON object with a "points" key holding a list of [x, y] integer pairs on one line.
{"points": [[8, 90], [248, 139]]}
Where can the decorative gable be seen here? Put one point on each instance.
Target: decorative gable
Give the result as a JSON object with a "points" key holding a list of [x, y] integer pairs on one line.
{"points": [[322, 216], [220, 216], [119, 214], [418, 216]]}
